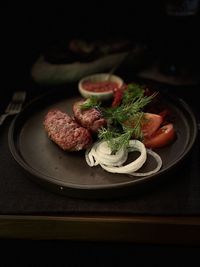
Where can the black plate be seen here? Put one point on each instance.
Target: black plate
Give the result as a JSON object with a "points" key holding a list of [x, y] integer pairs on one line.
{"points": [[67, 172]]}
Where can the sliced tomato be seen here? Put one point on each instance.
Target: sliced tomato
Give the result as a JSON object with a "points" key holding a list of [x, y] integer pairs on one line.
{"points": [[162, 137], [118, 95], [151, 123]]}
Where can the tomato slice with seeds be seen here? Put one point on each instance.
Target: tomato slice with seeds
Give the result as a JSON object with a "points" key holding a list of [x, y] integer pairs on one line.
{"points": [[162, 137], [151, 123]]}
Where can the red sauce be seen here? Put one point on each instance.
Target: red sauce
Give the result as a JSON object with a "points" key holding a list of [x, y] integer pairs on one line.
{"points": [[100, 86]]}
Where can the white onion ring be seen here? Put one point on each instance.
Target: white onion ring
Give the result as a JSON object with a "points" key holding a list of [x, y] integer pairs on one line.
{"points": [[159, 165], [104, 155], [133, 166], [89, 158], [100, 154]]}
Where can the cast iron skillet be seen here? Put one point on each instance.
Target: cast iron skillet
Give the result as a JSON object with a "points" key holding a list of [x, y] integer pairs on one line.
{"points": [[67, 172]]}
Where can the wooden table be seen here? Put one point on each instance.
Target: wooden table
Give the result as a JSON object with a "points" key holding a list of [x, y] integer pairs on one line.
{"points": [[140, 229], [136, 229]]}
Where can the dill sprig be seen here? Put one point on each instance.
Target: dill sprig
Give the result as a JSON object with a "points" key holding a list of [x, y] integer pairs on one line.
{"points": [[115, 140], [91, 102], [125, 121], [126, 111], [133, 92], [136, 125]]}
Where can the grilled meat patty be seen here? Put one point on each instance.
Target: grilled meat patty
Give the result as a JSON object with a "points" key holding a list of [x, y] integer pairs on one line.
{"points": [[66, 132], [91, 118]]}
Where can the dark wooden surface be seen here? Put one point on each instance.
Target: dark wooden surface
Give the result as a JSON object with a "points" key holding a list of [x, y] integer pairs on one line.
{"points": [[135, 229]]}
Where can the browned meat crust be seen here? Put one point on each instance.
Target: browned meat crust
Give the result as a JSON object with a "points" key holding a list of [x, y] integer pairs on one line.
{"points": [[91, 119], [66, 132]]}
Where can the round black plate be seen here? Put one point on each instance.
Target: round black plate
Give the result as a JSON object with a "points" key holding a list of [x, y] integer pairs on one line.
{"points": [[67, 172]]}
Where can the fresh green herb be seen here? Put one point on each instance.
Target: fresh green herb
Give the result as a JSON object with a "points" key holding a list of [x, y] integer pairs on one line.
{"points": [[115, 139], [133, 92], [126, 111], [137, 125], [125, 121], [91, 102]]}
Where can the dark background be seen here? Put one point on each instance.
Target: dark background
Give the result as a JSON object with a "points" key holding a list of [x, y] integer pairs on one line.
{"points": [[27, 30]]}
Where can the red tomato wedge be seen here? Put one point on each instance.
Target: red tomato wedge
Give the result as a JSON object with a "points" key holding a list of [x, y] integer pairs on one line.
{"points": [[151, 124], [162, 137], [118, 95]]}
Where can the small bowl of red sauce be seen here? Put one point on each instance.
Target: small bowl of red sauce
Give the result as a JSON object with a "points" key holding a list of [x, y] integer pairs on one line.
{"points": [[101, 85]]}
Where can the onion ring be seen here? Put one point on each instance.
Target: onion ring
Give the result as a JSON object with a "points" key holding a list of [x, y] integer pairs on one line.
{"points": [[133, 166], [100, 154], [159, 165]]}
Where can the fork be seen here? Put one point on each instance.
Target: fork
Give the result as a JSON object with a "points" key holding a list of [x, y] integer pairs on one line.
{"points": [[15, 105]]}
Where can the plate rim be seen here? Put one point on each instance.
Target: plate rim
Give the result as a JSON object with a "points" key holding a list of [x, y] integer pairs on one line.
{"points": [[19, 159]]}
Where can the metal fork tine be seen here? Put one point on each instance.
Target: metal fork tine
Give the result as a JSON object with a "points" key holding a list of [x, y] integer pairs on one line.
{"points": [[14, 106], [8, 107]]}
